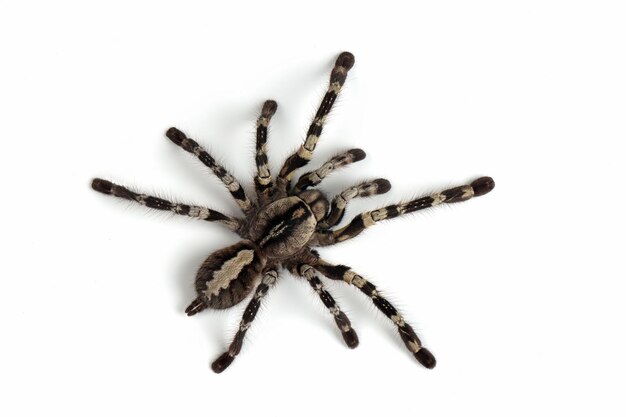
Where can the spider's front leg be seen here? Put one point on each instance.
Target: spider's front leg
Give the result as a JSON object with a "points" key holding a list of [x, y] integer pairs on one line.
{"points": [[225, 359], [410, 339], [263, 179], [344, 62], [338, 206], [479, 187]]}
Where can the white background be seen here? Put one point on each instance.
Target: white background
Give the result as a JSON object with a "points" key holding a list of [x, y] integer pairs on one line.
{"points": [[520, 294]]}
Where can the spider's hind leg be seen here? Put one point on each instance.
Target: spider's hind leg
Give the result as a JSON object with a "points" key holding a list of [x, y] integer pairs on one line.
{"points": [[342, 321], [410, 339], [226, 358]]}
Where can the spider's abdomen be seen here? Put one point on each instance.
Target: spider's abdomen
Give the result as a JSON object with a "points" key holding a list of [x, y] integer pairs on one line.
{"points": [[227, 276], [283, 227]]}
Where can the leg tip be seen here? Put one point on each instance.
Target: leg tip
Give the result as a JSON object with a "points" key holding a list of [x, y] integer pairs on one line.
{"points": [[269, 108], [175, 135], [222, 363], [102, 186], [483, 185], [426, 358], [345, 60], [382, 186], [351, 338], [357, 154]]}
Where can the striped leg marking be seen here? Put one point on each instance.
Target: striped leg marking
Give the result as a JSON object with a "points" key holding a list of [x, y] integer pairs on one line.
{"points": [[344, 62], [477, 188], [221, 363], [191, 146], [313, 178], [197, 212], [338, 206], [263, 179], [343, 323], [410, 339]]}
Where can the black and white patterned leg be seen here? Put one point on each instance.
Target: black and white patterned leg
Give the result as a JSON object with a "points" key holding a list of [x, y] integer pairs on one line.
{"points": [[410, 339], [197, 212], [263, 179], [224, 360], [342, 321], [339, 203], [477, 188], [344, 62], [191, 146], [313, 178]]}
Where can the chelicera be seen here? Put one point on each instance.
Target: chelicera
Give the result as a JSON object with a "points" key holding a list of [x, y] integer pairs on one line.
{"points": [[285, 222]]}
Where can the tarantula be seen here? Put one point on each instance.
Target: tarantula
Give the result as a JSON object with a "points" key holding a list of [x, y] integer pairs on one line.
{"points": [[286, 222]]}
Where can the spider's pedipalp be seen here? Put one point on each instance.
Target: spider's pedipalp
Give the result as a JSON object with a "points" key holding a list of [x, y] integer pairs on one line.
{"points": [[191, 146], [197, 212], [225, 359], [313, 178], [344, 62], [339, 203], [410, 339], [342, 321], [479, 187], [263, 179]]}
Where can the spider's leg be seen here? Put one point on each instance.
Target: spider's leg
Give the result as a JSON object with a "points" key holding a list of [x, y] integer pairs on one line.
{"points": [[221, 363], [410, 339], [263, 179], [477, 188], [191, 146], [344, 62], [338, 206], [313, 178], [343, 322], [197, 212]]}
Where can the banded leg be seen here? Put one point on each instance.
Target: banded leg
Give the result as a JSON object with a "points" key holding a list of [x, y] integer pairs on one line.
{"points": [[263, 179], [221, 363], [454, 195], [343, 322], [410, 339], [191, 146], [197, 212], [338, 206], [313, 178], [344, 62]]}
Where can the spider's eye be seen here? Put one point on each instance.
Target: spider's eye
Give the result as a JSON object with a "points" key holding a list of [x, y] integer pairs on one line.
{"points": [[228, 275], [316, 201]]}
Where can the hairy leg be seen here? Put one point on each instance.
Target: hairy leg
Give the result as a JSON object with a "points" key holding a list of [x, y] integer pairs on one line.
{"points": [[342, 321], [263, 179], [339, 203], [191, 146], [410, 339], [268, 280], [454, 195], [197, 212], [344, 62], [313, 178]]}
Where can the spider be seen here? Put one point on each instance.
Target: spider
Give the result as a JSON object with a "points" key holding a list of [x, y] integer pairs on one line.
{"points": [[280, 229]]}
